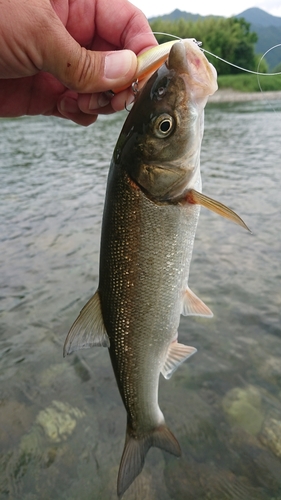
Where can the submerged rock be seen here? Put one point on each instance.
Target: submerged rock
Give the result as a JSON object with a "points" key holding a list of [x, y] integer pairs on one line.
{"points": [[197, 481], [50, 376], [81, 369], [270, 369], [59, 420], [250, 459], [243, 407], [15, 419], [271, 435]]}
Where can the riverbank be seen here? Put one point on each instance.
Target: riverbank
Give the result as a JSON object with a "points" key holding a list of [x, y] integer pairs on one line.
{"points": [[230, 95]]}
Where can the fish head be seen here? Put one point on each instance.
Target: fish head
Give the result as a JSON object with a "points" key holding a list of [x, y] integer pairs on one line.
{"points": [[159, 145]]}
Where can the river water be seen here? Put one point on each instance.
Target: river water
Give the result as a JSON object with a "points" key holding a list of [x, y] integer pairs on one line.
{"points": [[62, 423]]}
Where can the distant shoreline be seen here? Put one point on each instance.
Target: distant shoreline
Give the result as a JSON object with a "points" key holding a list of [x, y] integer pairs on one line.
{"points": [[230, 95]]}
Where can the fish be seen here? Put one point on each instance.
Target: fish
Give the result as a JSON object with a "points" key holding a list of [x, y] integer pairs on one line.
{"points": [[150, 217]]}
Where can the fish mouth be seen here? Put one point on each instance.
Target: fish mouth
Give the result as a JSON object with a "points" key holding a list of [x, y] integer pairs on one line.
{"points": [[187, 59]]}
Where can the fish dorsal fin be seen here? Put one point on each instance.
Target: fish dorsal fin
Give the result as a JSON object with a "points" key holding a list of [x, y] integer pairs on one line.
{"points": [[193, 306], [194, 197], [88, 329], [177, 354]]}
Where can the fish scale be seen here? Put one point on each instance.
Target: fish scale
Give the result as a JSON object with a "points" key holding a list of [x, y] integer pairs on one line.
{"points": [[153, 268]]}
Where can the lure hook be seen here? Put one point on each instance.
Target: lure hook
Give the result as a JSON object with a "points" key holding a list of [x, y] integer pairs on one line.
{"points": [[135, 87]]}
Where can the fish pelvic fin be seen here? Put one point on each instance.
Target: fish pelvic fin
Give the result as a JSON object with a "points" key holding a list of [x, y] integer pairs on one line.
{"points": [[135, 451], [194, 197], [88, 329], [176, 355], [193, 306]]}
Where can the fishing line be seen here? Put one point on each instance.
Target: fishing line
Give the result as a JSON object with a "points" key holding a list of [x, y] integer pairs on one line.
{"points": [[244, 69], [257, 73], [228, 62], [262, 57], [166, 34]]}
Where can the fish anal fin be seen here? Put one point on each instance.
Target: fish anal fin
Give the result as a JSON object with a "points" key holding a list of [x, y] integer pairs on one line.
{"points": [[194, 197], [176, 355], [193, 306], [88, 329], [135, 451]]}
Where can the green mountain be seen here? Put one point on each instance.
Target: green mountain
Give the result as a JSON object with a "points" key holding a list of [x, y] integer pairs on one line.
{"points": [[259, 17], [179, 14], [267, 27]]}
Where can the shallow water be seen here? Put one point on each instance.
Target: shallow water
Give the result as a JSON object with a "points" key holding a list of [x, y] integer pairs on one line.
{"points": [[62, 422]]}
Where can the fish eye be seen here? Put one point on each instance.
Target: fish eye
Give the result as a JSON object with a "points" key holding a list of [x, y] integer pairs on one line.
{"points": [[164, 125]]}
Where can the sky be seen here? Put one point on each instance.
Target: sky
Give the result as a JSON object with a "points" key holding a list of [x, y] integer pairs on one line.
{"points": [[153, 8]]}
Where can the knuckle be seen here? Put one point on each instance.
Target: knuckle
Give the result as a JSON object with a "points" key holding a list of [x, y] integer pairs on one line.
{"points": [[83, 75]]}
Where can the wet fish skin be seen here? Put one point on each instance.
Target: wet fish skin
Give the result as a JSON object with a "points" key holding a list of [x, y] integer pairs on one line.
{"points": [[147, 239], [141, 317]]}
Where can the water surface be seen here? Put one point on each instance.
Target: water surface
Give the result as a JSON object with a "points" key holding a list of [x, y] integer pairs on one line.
{"points": [[62, 423]]}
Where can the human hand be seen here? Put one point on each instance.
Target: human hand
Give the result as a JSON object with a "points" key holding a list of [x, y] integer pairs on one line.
{"points": [[58, 57]]}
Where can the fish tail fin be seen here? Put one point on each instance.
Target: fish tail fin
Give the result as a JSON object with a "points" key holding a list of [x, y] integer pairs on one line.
{"points": [[135, 451]]}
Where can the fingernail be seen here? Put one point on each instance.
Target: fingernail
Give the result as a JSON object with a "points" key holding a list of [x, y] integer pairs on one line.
{"points": [[118, 63], [69, 105], [98, 101], [130, 99], [103, 100]]}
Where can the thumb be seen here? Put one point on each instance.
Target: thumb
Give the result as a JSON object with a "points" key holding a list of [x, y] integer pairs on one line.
{"points": [[83, 70]]}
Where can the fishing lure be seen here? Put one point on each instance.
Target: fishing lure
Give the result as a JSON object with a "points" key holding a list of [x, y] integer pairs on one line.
{"points": [[149, 61]]}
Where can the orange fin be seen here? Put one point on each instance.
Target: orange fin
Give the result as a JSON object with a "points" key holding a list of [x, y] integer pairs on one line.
{"points": [[176, 355], [88, 329], [135, 451], [194, 197], [193, 306]]}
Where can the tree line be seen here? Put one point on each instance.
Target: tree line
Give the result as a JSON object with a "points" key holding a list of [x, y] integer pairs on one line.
{"points": [[229, 38]]}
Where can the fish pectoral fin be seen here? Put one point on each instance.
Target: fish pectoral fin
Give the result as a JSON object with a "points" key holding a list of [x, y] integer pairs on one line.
{"points": [[193, 306], [194, 197], [177, 354], [88, 329], [135, 451]]}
